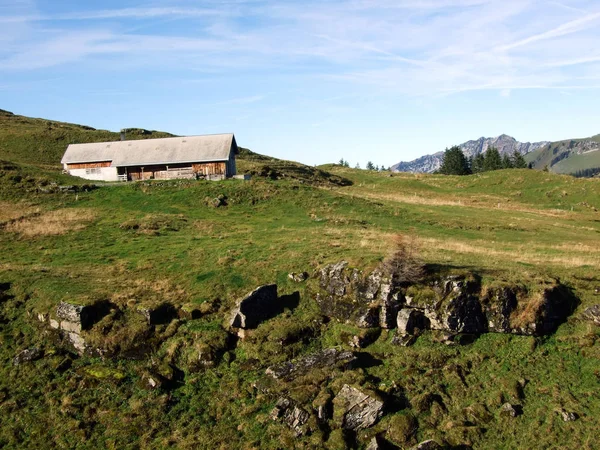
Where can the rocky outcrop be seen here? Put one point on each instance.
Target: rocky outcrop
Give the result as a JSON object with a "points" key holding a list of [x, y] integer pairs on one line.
{"points": [[506, 145], [295, 417], [329, 358], [458, 305], [259, 305], [350, 296], [455, 304], [355, 410]]}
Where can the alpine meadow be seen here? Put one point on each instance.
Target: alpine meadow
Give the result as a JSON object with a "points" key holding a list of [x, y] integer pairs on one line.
{"points": [[386, 308]]}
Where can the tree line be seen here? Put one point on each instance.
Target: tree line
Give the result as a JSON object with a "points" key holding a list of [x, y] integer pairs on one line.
{"points": [[587, 173], [370, 166], [456, 163]]}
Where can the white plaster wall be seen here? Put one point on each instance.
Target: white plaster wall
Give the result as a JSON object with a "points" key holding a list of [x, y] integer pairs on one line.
{"points": [[106, 174]]}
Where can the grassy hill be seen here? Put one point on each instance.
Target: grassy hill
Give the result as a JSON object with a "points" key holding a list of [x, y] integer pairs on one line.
{"points": [[138, 245], [567, 156], [43, 142]]}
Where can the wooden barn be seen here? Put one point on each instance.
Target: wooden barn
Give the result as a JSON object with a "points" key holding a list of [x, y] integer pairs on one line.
{"points": [[208, 156]]}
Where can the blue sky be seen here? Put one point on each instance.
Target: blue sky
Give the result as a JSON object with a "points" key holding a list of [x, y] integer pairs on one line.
{"points": [[312, 81]]}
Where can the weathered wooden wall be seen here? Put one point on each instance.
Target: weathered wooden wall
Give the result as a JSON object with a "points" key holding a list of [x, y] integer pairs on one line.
{"points": [[215, 168], [226, 168], [94, 165]]}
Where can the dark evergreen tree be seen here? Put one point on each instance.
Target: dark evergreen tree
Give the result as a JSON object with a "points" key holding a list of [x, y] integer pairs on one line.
{"points": [[506, 162], [370, 166], [454, 162], [518, 161], [492, 159], [478, 163]]}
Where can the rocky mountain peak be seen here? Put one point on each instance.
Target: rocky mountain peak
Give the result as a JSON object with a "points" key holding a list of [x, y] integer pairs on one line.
{"points": [[504, 143]]}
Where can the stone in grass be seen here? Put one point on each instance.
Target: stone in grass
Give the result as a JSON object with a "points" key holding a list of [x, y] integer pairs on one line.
{"points": [[509, 410], [355, 410], [74, 318], [257, 306], [404, 340], [298, 277], [291, 414], [364, 338], [568, 416], [329, 358], [27, 355], [593, 314]]}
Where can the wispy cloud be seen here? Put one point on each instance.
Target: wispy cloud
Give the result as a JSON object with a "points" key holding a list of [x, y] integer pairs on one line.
{"points": [[567, 28], [429, 47]]}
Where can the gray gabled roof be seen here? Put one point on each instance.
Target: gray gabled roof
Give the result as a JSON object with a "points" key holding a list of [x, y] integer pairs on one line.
{"points": [[185, 149]]}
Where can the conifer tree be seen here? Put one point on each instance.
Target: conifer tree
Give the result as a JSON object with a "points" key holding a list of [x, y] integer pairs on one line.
{"points": [[507, 162], [492, 159], [477, 164], [518, 161], [454, 162]]}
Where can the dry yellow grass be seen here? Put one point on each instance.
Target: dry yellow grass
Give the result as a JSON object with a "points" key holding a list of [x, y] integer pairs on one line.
{"points": [[524, 253], [527, 311], [13, 211], [51, 223]]}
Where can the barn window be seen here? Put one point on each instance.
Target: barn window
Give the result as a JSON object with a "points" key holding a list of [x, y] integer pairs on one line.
{"points": [[93, 171]]}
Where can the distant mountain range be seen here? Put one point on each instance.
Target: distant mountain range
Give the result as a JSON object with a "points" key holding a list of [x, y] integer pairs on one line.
{"points": [[504, 143], [571, 156]]}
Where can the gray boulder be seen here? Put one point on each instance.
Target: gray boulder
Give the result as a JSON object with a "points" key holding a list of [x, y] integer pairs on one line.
{"points": [[329, 358], [508, 410], [257, 306], [291, 414], [355, 410], [74, 318], [411, 321]]}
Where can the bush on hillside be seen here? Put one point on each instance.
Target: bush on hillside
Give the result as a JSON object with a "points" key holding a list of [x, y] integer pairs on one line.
{"points": [[404, 263]]}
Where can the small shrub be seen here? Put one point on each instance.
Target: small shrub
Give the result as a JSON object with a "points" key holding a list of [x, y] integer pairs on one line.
{"points": [[404, 265]]}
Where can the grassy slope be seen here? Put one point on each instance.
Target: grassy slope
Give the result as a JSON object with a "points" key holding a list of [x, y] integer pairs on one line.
{"points": [[43, 142], [144, 242]]}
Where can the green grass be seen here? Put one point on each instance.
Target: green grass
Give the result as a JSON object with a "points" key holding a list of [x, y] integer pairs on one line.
{"points": [[141, 244]]}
